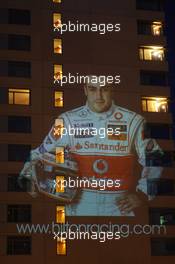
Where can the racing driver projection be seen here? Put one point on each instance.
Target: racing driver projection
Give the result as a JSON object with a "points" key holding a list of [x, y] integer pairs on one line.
{"points": [[98, 169]]}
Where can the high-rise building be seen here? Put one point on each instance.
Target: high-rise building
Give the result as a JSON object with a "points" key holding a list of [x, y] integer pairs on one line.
{"points": [[134, 40]]}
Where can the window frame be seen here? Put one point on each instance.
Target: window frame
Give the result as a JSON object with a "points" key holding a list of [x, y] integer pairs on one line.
{"points": [[19, 91], [144, 5], [142, 53], [11, 15], [148, 24], [16, 213], [150, 98], [62, 92], [11, 247]]}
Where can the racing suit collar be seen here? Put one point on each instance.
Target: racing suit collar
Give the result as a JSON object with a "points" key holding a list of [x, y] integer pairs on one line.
{"points": [[103, 115]]}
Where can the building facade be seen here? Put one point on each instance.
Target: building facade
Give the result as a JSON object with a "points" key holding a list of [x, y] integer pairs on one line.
{"points": [[34, 56]]}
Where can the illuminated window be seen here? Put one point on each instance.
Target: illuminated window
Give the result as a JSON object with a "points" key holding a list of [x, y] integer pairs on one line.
{"points": [[58, 99], [155, 104], [150, 28], [57, 1], [156, 53], [56, 20], [61, 246], [57, 128], [57, 72], [58, 46], [60, 214], [60, 155], [19, 96], [59, 184], [157, 28]]}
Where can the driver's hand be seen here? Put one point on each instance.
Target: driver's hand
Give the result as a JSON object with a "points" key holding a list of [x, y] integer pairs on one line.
{"points": [[26, 179], [26, 172], [128, 202]]}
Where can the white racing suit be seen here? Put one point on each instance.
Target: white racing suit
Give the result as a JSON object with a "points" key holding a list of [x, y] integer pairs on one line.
{"points": [[94, 157]]}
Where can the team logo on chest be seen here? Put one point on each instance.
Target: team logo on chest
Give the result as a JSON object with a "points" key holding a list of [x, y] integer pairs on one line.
{"points": [[118, 115], [100, 166]]}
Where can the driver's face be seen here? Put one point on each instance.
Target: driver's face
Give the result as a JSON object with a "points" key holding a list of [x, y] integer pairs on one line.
{"points": [[99, 98]]}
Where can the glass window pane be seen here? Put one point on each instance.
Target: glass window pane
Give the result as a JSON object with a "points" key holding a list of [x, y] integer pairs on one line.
{"points": [[60, 214], [57, 1], [155, 104], [19, 16], [141, 54], [19, 96], [58, 46], [157, 28], [60, 155], [151, 106], [59, 184], [144, 108], [19, 69], [58, 99], [147, 54], [57, 72], [61, 247], [19, 245], [152, 53], [11, 98], [157, 54], [153, 78], [57, 20]]}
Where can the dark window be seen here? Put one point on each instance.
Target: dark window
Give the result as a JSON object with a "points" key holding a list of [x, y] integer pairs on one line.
{"points": [[19, 124], [162, 216], [153, 5], [19, 69], [13, 185], [159, 131], [157, 158], [3, 41], [161, 187], [143, 28], [19, 245], [3, 95], [19, 213], [3, 15], [18, 42], [3, 68], [153, 78], [18, 152], [17, 16], [163, 246]]}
